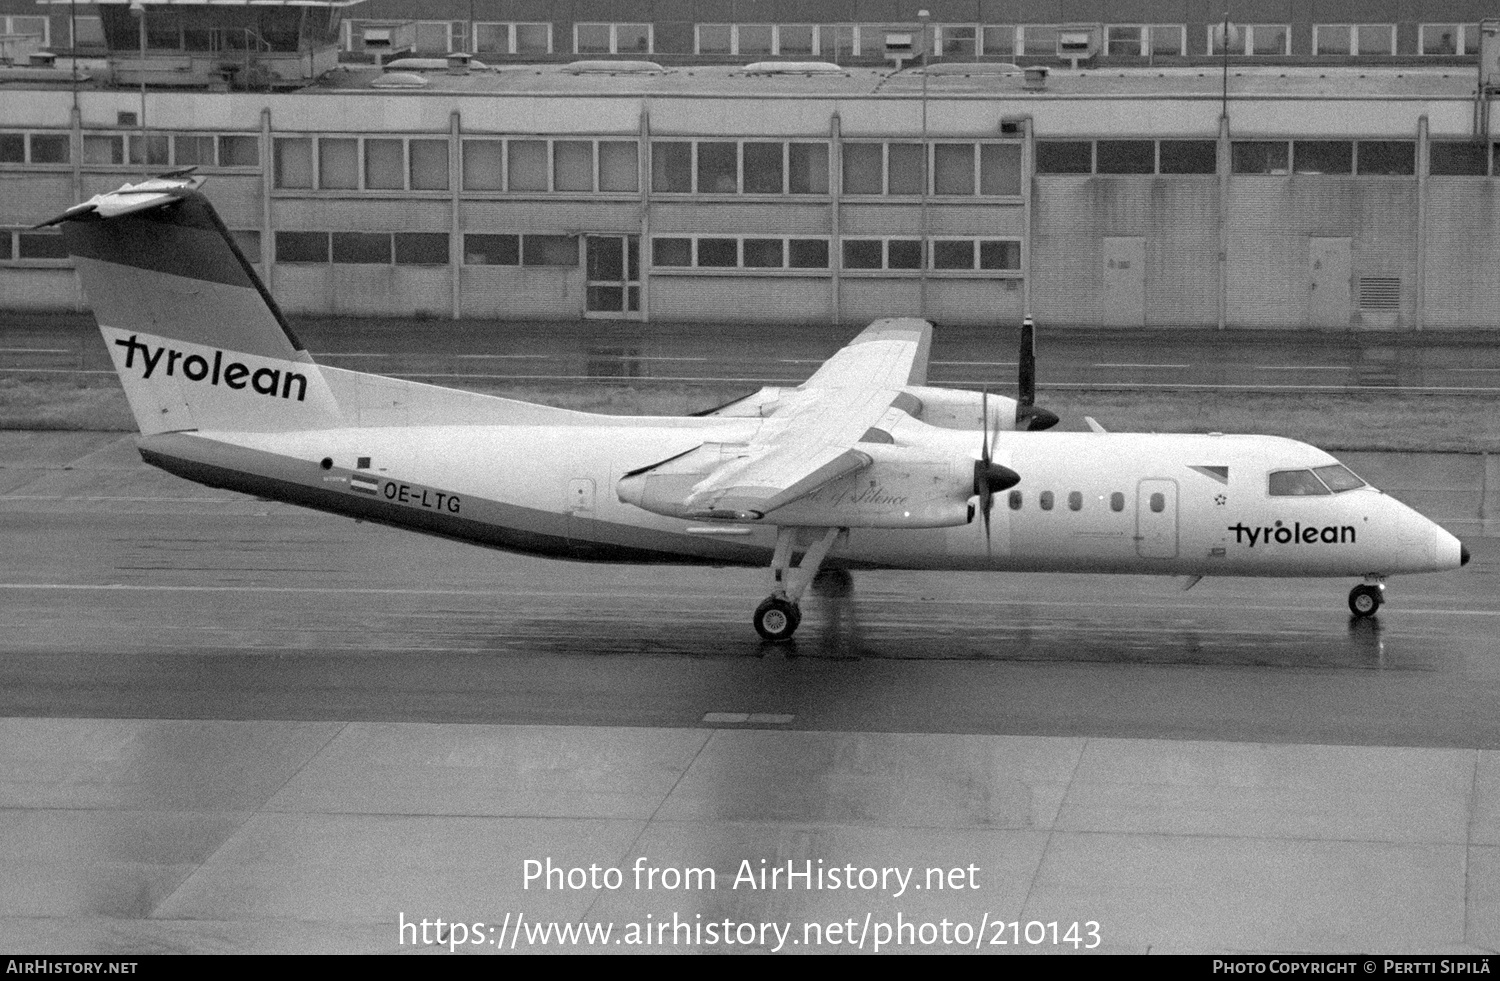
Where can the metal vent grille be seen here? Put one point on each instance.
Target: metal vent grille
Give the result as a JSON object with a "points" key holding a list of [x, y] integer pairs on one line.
{"points": [[1379, 293]]}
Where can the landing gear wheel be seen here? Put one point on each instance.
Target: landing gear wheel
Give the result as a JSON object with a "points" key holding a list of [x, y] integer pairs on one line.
{"points": [[1365, 600], [777, 619]]}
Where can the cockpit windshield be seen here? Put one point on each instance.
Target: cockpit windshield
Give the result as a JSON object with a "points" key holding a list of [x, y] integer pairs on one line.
{"points": [[1295, 483], [1338, 477], [1306, 483]]}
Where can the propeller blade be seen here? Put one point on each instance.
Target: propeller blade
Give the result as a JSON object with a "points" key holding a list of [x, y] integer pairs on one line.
{"points": [[1027, 365], [1029, 416]]}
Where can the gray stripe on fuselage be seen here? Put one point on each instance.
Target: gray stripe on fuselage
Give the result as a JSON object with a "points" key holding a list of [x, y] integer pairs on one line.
{"points": [[481, 521]]}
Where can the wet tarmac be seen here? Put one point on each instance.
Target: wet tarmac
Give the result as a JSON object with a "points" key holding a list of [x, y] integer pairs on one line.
{"points": [[230, 726]]}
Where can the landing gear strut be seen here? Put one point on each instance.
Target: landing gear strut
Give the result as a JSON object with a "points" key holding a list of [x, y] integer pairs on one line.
{"points": [[1365, 599], [776, 618]]}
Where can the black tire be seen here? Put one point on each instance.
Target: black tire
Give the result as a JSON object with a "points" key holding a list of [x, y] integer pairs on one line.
{"points": [[1364, 601], [777, 619]]}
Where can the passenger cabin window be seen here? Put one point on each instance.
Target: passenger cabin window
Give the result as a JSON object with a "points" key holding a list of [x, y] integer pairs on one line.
{"points": [[1158, 502], [1295, 483], [1338, 477], [1117, 501], [1046, 500], [1075, 500], [1015, 500]]}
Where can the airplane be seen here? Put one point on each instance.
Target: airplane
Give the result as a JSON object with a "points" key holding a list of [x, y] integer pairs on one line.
{"points": [[861, 466]]}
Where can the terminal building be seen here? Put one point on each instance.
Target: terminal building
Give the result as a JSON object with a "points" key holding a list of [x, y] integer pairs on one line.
{"points": [[926, 173]]}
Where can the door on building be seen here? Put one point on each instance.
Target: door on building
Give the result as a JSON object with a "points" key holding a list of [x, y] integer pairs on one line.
{"points": [[613, 266], [1124, 281], [1329, 271], [1156, 519]]}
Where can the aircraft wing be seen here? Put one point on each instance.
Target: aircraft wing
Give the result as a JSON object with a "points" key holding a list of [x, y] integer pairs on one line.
{"points": [[813, 435], [801, 450], [889, 353]]}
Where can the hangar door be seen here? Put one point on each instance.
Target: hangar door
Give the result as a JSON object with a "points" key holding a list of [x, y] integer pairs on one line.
{"points": [[1124, 281], [1329, 271]]}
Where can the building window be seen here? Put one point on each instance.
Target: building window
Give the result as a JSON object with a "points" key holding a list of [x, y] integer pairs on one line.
{"points": [[718, 168], [34, 28], [1332, 39], [1457, 159], [484, 165], [1322, 156], [338, 163], [293, 162], [1125, 39], [362, 248], [526, 165], [714, 39], [239, 151], [1375, 39], [1448, 39], [612, 39], [41, 244], [756, 252], [999, 40], [1038, 41], [385, 164], [754, 40], [158, 149], [429, 165], [302, 247], [549, 250], [672, 168], [718, 252], [1188, 157], [1386, 158], [1064, 157], [1145, 40], [512, 38], [957, 41], [1126, 157], [1260, 157], [492, 250], [421, 248], [1256, 39], [44, 148]]}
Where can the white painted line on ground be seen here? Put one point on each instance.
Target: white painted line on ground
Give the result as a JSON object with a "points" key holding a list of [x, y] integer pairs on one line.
{"points": [[1304, 367], [723, 718], [980, 364], [1142, 366], [514, 357], [36, 350]]}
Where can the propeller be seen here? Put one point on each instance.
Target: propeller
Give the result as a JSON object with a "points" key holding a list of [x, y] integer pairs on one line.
{"points": [[1030, 416], [989, 476]]}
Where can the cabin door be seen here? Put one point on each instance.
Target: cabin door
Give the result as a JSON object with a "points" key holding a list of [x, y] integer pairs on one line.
{"points": [[1156, 519]]}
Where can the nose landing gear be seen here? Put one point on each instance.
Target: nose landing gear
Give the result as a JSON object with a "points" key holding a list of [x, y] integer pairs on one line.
{"points": [[1365, 599]]}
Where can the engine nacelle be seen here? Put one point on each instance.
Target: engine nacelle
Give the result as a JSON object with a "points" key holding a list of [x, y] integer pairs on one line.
{"points": [[956, 408]]}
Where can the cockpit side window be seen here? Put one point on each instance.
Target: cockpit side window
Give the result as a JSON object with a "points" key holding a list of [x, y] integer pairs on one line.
{"points": [[1295, 483], [1338, 477]]}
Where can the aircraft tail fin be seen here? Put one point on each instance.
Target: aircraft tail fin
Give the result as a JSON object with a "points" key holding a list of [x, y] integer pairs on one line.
{"points": [[197, 340]]}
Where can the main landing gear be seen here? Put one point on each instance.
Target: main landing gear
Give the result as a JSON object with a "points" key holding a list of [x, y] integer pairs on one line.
{"points": [[1365, 599], [778, 616]]}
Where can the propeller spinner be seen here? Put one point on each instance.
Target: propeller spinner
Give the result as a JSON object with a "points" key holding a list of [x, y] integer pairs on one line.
{"points": [[1030, 416], [989, 476]]}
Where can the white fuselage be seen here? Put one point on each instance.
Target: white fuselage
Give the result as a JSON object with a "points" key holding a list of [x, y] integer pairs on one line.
{"points": [[1087, 502]]}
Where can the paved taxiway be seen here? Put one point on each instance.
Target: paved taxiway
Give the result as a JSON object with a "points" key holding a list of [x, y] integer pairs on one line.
{"points": [[232, 725]]}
